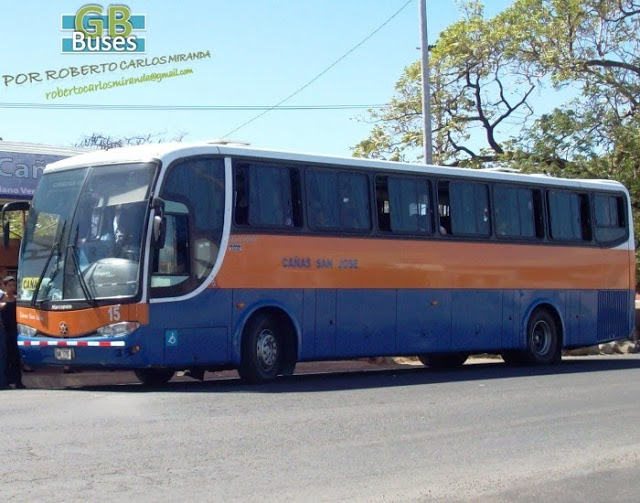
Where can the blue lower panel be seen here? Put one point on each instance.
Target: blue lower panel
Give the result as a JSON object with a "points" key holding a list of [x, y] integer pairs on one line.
{"points": [[195, 346], [322, 331], [207, 329], [476, 320], [366, 322], [424, 321]]}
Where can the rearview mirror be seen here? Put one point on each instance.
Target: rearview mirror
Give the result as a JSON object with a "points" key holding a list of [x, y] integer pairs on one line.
{"points": [[6, 228], [159, 223], [5, 234]]}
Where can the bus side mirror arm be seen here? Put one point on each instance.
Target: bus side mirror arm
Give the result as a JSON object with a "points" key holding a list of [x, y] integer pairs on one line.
{"points": [[159, 223], [6, 228], [5, 232]]}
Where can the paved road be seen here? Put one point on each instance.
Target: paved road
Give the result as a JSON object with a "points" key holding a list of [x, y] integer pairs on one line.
{"points": [[483, 433]]}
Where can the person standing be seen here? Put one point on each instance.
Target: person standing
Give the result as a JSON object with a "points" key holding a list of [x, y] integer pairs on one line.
{"points": [[3, 359], [10, 325], [3, 350]]}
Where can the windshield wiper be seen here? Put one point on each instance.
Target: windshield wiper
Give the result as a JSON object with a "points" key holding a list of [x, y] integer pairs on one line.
{"points": [[55, 248], [76, 265]]}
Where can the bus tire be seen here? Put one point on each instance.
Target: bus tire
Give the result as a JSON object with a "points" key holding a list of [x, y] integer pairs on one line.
{"points": [[154, 377], [262, 350], [444, 360], [543, 339]]}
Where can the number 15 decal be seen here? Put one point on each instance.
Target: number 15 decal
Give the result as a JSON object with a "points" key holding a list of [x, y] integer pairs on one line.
{"points": [[114, 313]]}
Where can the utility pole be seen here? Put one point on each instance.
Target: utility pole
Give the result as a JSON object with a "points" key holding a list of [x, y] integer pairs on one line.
{"points": [[426, 90]]}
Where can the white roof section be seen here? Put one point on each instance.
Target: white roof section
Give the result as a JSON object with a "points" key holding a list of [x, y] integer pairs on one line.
{"points": [[39, 148], [168, 152]]}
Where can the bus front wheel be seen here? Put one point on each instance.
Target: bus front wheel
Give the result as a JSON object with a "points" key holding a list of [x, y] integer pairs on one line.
{"points": [[154, 377], [262, 350]]}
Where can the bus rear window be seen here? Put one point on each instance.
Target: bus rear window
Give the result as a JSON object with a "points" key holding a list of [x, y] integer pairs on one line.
{"points": [[610, 222]]}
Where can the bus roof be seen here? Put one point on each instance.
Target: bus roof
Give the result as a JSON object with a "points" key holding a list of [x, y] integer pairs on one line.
{"points": [[168, 152]]}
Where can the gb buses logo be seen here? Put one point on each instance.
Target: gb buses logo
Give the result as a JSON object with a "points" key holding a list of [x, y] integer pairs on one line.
{"points": [[103, 31]]}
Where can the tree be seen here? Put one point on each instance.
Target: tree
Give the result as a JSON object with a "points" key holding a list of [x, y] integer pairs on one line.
{"points": [[484, 73], [479, 95], [105, 142], [593, 45]]}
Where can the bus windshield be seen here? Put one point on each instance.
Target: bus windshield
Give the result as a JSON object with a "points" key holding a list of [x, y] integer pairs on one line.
{"points": [[84, 234]]}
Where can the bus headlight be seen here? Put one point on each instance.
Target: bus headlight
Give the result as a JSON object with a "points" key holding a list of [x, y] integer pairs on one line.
{"points": [[118, 329], [26, 330]]}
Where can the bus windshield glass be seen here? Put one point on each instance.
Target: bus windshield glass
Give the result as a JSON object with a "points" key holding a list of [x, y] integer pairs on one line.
{"points": [[84, 234]]}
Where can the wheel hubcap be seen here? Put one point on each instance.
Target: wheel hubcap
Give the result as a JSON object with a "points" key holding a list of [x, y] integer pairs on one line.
{"points": [[267, 349], [541, 337]]}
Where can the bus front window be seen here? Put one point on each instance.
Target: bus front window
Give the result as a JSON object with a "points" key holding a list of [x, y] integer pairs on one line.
{"points": [[85, 234], [193, 193]]}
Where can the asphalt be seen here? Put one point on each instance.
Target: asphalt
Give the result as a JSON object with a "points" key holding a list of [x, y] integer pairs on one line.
{"points": [[56, 378]]}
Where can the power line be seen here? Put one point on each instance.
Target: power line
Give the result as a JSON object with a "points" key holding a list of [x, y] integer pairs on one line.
{"points": [[86, 106], [298, 91]]}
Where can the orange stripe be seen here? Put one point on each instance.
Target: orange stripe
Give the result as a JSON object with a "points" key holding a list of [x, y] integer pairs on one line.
{"points": [[83, 321], [268, 261]]}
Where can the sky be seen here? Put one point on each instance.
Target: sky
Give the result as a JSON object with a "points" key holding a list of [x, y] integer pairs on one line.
{"points": [[253, 53]]}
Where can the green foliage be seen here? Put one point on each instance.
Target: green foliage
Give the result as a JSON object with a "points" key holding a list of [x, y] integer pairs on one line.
{"points": [[483, 74], [477, 93]]}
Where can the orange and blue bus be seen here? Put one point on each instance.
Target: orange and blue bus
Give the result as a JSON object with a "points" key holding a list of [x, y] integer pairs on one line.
{"points": [[200, 257]]}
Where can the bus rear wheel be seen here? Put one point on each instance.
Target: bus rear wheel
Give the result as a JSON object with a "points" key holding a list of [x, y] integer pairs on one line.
{"points": [[543, 342], [444, 360], [154, 377], [262, 350]]}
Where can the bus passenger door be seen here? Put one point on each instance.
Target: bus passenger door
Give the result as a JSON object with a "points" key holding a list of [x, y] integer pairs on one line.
{"points": [[325, 323]]}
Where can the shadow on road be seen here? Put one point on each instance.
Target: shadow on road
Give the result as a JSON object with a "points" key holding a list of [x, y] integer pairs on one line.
{"points": [[373, 377]]}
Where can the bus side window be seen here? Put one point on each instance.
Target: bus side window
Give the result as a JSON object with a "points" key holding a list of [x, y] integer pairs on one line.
{"points": [[569, 216], [517, 212], [382, 203], [296, 197], [267, 196], [321, 202], [403, 205], [444, 209], [353, 201], [469, 205], [610, 221], [241, 197]]}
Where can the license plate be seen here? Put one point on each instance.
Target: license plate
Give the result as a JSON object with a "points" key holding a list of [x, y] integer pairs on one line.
{"points": [[64, 353]]}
